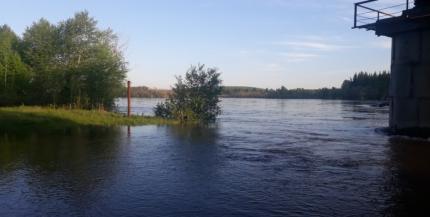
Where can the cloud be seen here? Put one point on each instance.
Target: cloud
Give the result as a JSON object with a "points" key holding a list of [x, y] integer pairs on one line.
{"points": [[314, 45], [298, 57]]}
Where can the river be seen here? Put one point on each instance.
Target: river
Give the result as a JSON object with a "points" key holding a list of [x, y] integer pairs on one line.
{"points": [[263, 158]]}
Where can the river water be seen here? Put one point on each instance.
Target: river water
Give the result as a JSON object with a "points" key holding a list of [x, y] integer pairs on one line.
{"points": [[263, 158]]}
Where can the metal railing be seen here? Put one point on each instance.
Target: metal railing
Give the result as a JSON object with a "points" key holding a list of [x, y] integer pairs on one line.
{"points": [[365, 16]]}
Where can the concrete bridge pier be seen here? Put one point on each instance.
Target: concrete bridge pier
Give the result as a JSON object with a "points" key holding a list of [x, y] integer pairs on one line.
{"points": [[410, 82], [409, 92]]}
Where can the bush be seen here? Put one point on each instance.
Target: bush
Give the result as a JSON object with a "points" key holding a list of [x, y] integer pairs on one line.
{"points": [[163, 110], [195, 98]]}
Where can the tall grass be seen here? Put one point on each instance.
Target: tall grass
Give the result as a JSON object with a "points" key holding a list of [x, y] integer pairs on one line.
{"points": [[57, 118]]}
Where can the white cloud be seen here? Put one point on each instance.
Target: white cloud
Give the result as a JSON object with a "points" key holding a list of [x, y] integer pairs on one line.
{"points": [[298, 57], [315, 45]]}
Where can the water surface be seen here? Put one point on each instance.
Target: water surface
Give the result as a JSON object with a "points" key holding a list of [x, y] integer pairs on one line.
{"points": [[263, 158]]}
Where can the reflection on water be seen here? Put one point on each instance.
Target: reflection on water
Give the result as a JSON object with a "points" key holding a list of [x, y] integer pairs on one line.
{"points": [[47, 173], [263, 158]]}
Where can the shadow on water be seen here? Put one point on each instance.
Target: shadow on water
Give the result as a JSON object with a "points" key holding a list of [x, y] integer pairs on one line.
{"points": [[195, 134], [363, 107], [409, 176], [50, 172]]}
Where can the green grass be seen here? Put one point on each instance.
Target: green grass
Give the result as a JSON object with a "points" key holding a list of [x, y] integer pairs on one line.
{"points": [[32, 117]]}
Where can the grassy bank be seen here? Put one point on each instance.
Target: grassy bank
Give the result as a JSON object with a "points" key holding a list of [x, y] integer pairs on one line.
{"points": [[30, 117]]}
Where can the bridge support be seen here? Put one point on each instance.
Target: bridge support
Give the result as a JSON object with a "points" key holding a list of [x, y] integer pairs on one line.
{"points": [[410, 83], [410, 66]]}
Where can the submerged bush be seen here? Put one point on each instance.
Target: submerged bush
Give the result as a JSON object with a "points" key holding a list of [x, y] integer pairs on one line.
{"points": [[163, 110], [194, 98]]}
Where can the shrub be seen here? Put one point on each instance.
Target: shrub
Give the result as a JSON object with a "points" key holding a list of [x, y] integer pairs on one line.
{"points": [[195, 98]]}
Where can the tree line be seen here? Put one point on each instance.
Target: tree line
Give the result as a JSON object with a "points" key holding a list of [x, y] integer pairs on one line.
{"points": [[71, 63], [362, 86]]}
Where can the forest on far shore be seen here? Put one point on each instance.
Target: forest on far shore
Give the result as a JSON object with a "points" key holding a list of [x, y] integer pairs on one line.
{"points": [[362, 86]]}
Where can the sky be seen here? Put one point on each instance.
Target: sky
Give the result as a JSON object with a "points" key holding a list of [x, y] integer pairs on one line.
{"points": [[259, 43]]}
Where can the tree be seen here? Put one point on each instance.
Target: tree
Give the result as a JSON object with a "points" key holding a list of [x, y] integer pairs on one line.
{"points": [[14, 74], [75, 63], [366, 86], [95, 67], [40, 49], [194, 98]]}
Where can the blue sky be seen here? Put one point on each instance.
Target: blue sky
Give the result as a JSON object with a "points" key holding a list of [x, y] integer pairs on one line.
{"points": [[262, 43]]}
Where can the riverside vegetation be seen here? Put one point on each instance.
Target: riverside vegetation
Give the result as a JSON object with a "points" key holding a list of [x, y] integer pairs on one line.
{"points": [[69, 74], [70, 63], [73, 64], [46, 118], [194, 98]]}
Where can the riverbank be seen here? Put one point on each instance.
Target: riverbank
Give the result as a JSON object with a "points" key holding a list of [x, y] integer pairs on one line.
{"points": [[32, 117]]}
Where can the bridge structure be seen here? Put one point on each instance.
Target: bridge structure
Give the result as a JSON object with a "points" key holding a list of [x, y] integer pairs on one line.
{"points": [[408, 25]]}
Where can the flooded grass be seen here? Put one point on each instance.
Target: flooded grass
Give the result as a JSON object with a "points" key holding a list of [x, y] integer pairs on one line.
{"points": [[22, 117]]}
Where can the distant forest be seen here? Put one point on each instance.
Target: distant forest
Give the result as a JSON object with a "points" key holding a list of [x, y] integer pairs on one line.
{"points": [[146, 92], [362, 86]]}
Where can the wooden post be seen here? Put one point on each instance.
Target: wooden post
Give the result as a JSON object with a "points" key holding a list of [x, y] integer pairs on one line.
{"points": [[128, 99]]}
